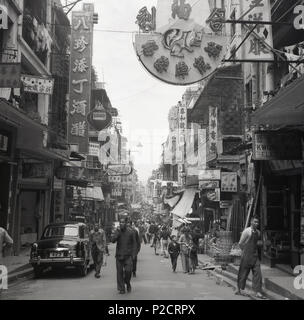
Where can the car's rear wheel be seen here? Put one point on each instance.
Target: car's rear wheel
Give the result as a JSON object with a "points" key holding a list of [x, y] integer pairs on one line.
{"points": [[38, 271]]}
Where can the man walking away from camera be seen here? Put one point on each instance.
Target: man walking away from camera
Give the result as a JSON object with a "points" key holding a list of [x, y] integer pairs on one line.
{"points": [[99, 247], [250, 243], [126, 250]]}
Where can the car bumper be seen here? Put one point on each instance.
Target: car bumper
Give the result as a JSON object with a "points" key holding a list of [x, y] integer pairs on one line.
{"points": [[70, 261]]}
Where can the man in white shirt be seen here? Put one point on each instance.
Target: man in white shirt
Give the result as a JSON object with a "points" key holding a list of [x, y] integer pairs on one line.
{"points": [[5, 240], [249, 243]]}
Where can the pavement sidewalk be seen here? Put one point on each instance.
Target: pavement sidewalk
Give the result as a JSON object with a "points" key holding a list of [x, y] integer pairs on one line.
{"points": [[278, 285], [18, 267]]}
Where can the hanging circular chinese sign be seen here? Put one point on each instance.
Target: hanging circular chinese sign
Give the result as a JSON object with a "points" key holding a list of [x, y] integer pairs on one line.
{"points": [[174, 46]]}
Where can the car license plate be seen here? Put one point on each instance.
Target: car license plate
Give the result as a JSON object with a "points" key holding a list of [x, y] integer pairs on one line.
{"points": [[56, 254]]}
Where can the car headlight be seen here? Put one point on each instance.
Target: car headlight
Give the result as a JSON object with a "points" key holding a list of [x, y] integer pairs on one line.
{"points": [[34, 250]]}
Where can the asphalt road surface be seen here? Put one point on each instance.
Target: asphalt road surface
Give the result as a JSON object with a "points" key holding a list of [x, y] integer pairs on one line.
{"points": [[155, 281]]}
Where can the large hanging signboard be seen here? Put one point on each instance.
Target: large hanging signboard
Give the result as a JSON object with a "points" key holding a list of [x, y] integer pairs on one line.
{"points": [[80, 78], [276, 146], [173, 44], [255, 48], [38, 85]]}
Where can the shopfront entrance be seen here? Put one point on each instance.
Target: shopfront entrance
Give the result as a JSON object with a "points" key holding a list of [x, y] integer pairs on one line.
{"points": [[281, 221], [4, 193], [32, 207]]}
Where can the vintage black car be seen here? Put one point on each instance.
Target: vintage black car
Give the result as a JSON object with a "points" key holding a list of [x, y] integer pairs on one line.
{"points": [[62, 245]]}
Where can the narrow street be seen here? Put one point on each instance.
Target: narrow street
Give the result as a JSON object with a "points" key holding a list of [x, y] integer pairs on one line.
{"points": [[154, 281]]}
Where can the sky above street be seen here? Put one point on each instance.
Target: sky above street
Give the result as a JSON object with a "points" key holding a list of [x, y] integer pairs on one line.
{"points": [[143, 101]]}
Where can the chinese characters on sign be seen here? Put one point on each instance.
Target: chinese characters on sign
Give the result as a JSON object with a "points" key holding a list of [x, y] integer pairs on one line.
{"points": [[37, 84], [229, 182], [258, 10], [80, 78], [178, 49], [182, 126], [206, 185], [94, 149], [213, 124]]}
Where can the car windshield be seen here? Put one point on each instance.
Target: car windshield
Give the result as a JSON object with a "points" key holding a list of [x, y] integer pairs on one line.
{"points": [[60, 231]]}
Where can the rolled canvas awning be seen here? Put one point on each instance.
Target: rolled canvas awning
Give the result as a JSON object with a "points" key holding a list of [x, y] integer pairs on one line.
{"points": [[185, 204], [285, 109]]}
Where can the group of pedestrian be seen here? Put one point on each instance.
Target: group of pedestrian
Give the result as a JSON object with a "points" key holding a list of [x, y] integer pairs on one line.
{"points": [[185, 244]]}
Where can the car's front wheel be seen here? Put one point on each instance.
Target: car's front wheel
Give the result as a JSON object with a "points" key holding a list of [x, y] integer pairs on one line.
{"points": [[38, 271]]}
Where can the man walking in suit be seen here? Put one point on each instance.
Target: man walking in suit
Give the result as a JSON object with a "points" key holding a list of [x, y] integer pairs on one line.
{"points": [[126, 251]]}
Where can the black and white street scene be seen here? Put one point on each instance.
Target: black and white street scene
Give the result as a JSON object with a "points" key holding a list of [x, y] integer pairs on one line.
{"points": [[152, 150]]}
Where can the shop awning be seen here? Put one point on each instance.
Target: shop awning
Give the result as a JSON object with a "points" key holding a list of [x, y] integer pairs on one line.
{"points": [[185, 204], [90, 193], [285, 109], [17, 117], [172, 201]]}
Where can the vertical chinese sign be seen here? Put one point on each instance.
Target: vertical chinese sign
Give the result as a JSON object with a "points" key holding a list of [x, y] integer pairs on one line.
{"points": [[80, 78], [182, 131], [212, 132], [258, 43]]}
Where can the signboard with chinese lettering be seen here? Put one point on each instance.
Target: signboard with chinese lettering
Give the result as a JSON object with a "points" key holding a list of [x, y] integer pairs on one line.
{"points": [[35, 84], [255, 48], [79, 174], [229, 182], [80, 78], [214, 195], [205, 185], [182, 131], [10, 75], [58, 184], [119, 170], [212, 131], [94, 149], [59, 200], [36, 170], [176, 45], [276, 146], [210, 174]]}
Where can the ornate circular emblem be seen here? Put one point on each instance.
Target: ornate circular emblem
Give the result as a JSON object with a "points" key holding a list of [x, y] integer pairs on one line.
{"points": [[174, 46]]}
